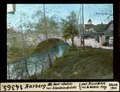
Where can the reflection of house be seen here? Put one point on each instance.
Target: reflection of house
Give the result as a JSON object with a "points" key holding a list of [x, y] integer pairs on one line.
{"points": [[89, 26]]}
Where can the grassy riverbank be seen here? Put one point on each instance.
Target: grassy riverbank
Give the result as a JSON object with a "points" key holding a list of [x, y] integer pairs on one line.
{"points": [[82, 64]]}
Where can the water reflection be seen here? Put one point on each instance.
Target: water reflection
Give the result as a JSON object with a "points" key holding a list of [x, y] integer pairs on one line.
{"points": [[33, 64]]}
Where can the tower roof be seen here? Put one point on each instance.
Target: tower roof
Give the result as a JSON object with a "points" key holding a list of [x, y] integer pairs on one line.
{"points": [[89, 20]]}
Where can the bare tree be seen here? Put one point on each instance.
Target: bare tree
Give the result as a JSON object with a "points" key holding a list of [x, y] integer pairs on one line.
{"points": [[42, 28], [49, 59], [22, 18]]}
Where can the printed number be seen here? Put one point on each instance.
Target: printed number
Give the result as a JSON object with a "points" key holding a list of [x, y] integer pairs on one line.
{"points": [[8, 87], [4, 86], [13, 87]]}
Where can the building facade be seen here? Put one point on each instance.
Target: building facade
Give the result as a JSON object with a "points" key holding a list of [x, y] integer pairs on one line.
{"points": [[89, 26]]}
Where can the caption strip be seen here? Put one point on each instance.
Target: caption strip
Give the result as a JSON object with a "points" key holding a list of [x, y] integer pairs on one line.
{"points": [[60, 86]]}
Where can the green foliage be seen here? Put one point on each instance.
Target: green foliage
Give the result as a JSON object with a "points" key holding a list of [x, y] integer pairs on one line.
{"points": [[100, 27], [69, 27]]}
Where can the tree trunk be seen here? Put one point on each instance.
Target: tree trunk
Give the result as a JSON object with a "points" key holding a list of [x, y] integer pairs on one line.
{"points": [[83, 42], [72, 39], [49, 59], [24, 50], [24, 55]]}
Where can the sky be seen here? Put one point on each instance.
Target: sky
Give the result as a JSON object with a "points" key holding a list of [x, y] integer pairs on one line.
{"points": [[60, 10]]}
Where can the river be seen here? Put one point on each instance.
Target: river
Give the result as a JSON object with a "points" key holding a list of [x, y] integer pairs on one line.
{"points": [[35, 63]]}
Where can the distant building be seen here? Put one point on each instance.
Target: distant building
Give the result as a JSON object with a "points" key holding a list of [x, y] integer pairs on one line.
{"points": [[89, 26], [109, 27], [94, 28], [103, 31], [109, 32]]}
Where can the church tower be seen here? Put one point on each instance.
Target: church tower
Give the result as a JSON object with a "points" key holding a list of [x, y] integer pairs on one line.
{"points": [[89, 21], [89, 26]]}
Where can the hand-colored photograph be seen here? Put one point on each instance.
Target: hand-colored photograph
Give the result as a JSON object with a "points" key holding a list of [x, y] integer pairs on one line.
{"points": [[59, 41]]}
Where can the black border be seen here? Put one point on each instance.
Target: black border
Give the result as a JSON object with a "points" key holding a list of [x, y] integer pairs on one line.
{"points": [[3, 36]]}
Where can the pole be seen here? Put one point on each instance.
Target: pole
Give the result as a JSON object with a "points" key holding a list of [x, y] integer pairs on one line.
{"points": [[82, 20], [45, 21], [79, 22], [49, 59]]}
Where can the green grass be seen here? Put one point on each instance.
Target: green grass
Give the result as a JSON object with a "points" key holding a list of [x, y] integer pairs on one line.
{"points": [[82, 64]]}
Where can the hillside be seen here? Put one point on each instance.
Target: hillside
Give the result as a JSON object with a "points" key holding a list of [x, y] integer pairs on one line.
{"points": [[79, 64]]}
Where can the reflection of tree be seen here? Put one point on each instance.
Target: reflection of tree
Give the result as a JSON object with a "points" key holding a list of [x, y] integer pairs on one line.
{"points": [[42, 66], [22, 24], [19, 69]]}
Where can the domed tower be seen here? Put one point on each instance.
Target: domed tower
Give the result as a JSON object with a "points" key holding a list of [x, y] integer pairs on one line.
{"points": [[89, 21], [89, 26]]}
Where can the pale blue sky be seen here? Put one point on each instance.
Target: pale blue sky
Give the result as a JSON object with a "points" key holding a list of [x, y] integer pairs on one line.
{"points": [[61, 11]]}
